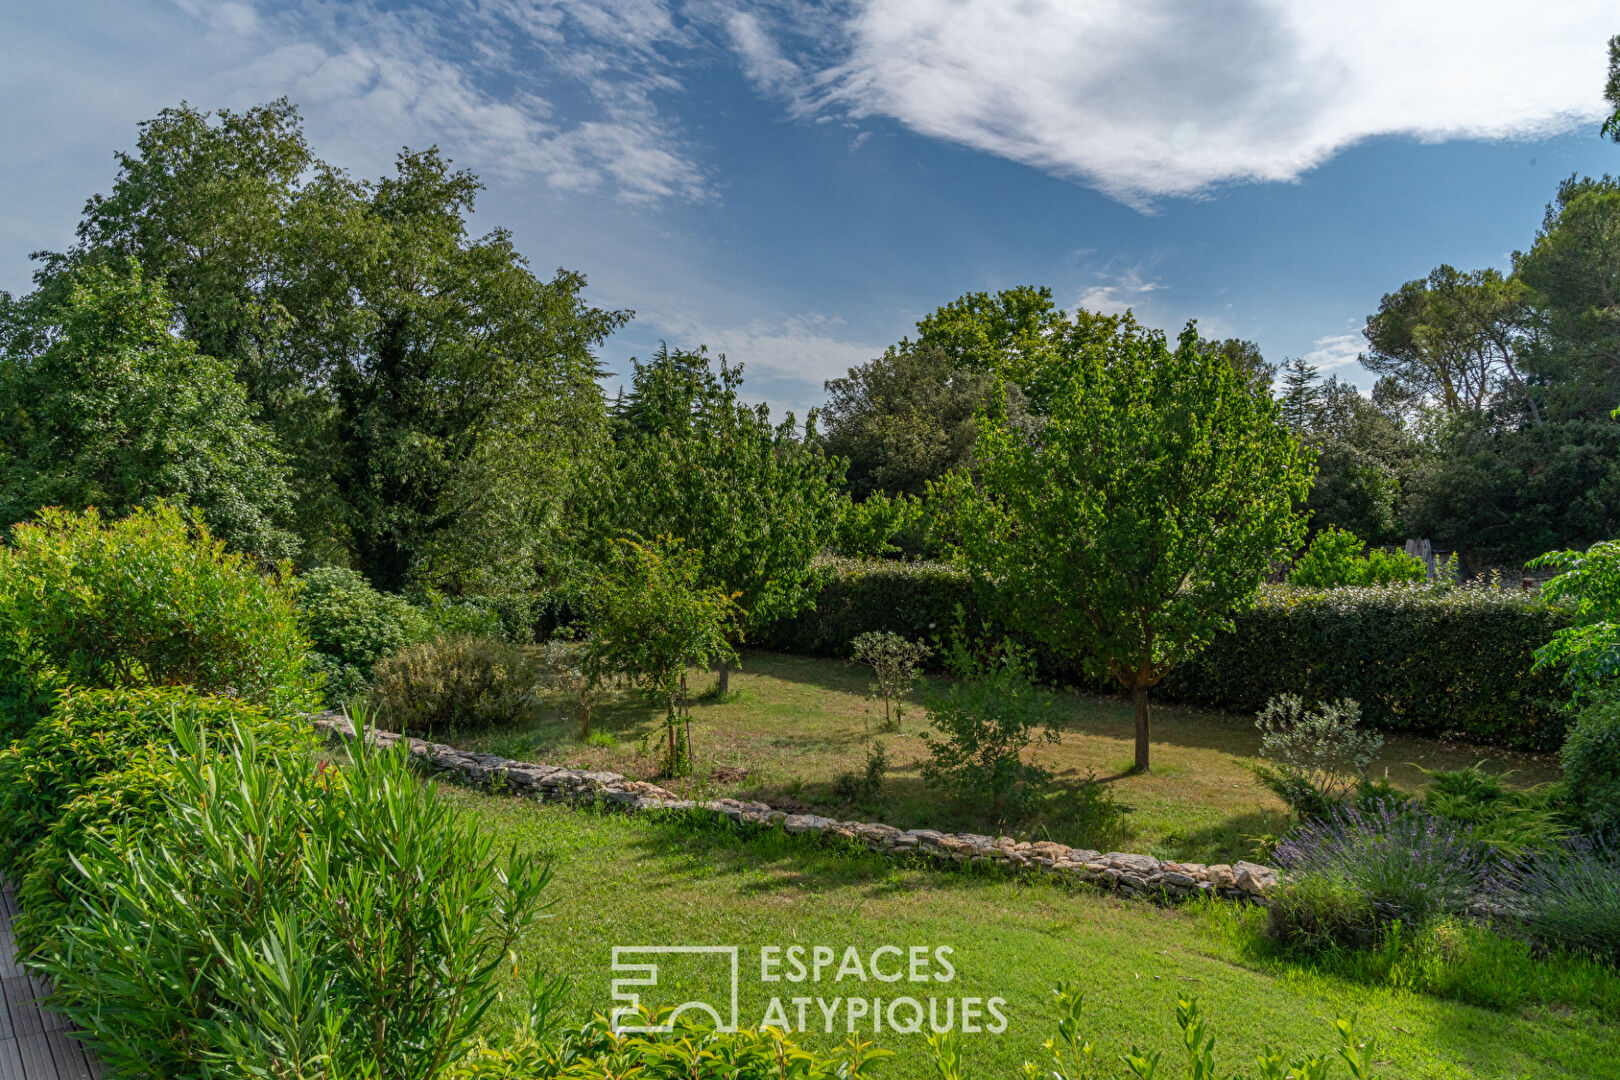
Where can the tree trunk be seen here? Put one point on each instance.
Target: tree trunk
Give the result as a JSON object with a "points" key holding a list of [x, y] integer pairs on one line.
{"points": [[724, 672], [1139, 699]]}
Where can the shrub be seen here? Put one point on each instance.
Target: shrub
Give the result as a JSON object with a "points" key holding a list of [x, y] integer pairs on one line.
{"points": [[1591, 760], [980, 725], [1320, 756], [1354, 873], [1588, 647], [868, 529], [351, 626], [92, 732], [455, 684], [1336, 558], [576, 671], [895, 660], [289, 922], [865, 787], [1570, 897], [152, 599], [1511, 822], [1418, 659]]}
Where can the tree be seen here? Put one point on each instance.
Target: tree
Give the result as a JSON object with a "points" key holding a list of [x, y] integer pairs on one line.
{"points": [[1611, 92], [431, 390], [652, 618], [102, 405], [759, 500], [1151, 506], [1452, 338], [904, 419], [1246, 360], [894, 659], [1301, 396]]}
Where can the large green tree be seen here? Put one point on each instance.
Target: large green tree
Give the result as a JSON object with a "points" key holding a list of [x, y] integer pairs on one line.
{"points": [[431, 389], [102, 405], [757, 500], [1157, 495]]}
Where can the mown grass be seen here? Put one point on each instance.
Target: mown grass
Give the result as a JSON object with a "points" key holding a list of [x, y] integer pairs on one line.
{"points": [[792, 724], [643, 881]]}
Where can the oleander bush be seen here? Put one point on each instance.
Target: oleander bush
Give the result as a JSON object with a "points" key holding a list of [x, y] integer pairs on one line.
{"points": [[149, 600], [283, 919], [89, 733], [458, 683], [1418, 659]]}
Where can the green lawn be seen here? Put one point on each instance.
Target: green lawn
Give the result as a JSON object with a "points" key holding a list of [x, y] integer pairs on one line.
{"points": [[639, 881], [792, 724]]}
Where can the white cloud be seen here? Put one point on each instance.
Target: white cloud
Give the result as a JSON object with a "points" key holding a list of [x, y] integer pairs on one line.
{"points": [[1335, 352], [1145, 98], [1117, 294], [808, 348]]}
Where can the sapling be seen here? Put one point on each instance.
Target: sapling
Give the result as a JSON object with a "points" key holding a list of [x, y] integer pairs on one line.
{"points": [[896, 661]]}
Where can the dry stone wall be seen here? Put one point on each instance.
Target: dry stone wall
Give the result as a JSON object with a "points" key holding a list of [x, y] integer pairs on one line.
{"points": [[1128, 874]]}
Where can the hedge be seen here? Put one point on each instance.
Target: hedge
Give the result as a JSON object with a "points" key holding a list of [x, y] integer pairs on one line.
{"points": [[1437, 662]]}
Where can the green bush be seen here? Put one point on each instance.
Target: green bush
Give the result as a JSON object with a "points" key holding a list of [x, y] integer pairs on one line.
{"points": [[281, 921], [454, 684], [1513, 822], [1417, 659], [1336, 558], [351, 626], [92, 732], [1591, 759], [151, 599]]}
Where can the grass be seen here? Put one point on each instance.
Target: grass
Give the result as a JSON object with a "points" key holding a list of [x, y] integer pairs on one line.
{"points": [[792, 724], [648, 881]]}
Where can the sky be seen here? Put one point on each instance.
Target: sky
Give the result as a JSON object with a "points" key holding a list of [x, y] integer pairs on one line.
{"points": [[795, 184]]}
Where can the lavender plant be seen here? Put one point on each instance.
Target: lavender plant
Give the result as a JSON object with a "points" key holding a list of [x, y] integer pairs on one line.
{"points": [[1570, 897], [1352, 874]]}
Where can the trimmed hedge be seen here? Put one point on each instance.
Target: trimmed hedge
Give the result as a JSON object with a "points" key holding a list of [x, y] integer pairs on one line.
{"points": [[1421, 660]]}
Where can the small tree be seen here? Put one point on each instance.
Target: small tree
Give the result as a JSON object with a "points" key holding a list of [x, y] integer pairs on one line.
{"points": [[980, 725], [653, 618], [895, 660], [577, 670], [1589, 649], [1145, 510]]}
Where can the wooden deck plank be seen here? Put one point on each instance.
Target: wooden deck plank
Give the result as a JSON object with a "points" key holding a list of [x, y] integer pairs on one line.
{"points": [[26, 1016], [71, 1062], [10, 1060], [37, 1062], [8, 952]]}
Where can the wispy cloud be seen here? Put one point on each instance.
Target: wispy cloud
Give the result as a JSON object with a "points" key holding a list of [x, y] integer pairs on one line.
{"points": [[1335, 352], [1150, 98], [1117, 293]]}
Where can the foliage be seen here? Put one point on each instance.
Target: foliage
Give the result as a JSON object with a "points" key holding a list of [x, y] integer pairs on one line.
{"points": [[351, 626], [979, 725], [1511, 822], [575, 669], [1148, 510], [1611, 91], [1588, 649], [91, 732], [868, 529], [1335, 558], [1417, 659], [1320, 756], [1570, 896], [1352, 874], [1591, 760], [859, 596], [152, 599], [102, 405], [286, 922], [652, 617], [431, 390], [866, 787], [455, 684], [895, 661], [758, 499]]}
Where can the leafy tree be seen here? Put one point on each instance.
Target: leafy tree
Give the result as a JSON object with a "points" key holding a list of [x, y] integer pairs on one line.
{"points": [[1151, 506], [1588, 650], [1611, 92], [652, 617], [102, 405], [904, 419], [1337, 558], [1246, 360], [1452, 339], [868, 529], [894, 659], [758, 499], [431, 389]]}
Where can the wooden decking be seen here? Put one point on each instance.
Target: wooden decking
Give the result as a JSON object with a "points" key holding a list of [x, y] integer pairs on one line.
{"points": [[34, 1044]]}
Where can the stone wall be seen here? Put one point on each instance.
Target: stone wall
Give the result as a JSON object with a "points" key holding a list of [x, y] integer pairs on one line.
{"points": [[1131, 875]]}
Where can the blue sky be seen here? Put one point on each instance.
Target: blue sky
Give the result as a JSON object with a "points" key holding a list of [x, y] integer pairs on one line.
{"points": [[795, 184]]}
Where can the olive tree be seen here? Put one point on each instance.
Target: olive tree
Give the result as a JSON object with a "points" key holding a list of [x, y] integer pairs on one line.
{"points": [[1147, 508]]}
